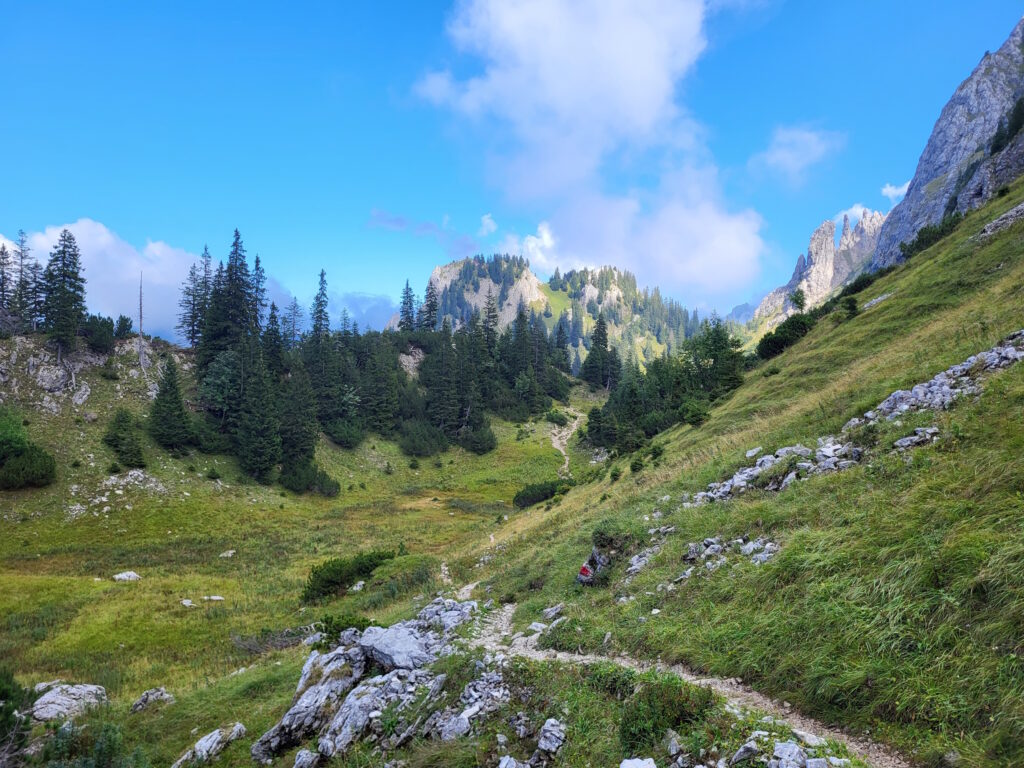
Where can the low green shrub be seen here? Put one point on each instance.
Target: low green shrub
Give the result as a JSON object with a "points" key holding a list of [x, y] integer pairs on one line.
{"points": [[660, 702], [535, 493], [613, 534], [99, 746], [23, 464], [637, 464], [556, 417], [421, 438], [304, 476], [480, 440], [14, 701], [789, 332], [929, 235], [122, 436], [346, 434], [611, 679], [336, 575]]}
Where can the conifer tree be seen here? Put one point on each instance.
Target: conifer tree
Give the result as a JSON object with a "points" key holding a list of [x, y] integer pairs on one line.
{"points": [[273, 346], [20, 299], [407, 310], [380, 390], [169, 422], [205, 278], [292, 326], [64, 288], [299, 430], [443, 396], [428, 311], [6, 275], [491, 322], [259, 294], [258, 438], [35, 295], [191, 306]]}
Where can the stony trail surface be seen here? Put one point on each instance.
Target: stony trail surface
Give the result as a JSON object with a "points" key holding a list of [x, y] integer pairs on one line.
{"points": [[495, 632], [560, 438]]}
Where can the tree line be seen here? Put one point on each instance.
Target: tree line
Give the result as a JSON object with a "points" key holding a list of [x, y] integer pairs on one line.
{"points": [[50, 298]]}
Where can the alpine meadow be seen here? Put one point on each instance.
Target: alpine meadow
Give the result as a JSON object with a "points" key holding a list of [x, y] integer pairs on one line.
{"points": [[459, 408]]}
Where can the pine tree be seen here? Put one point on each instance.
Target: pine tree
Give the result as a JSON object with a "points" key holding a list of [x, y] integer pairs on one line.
{"points": [[321, 322], [64, 303], [258, 438], [595, 368], [273, 346], [443, 392], [228, 322], [428, 311], [191, 305], [205, 278], [407, 310], [35, 295], [19, 298], [169, 422]]}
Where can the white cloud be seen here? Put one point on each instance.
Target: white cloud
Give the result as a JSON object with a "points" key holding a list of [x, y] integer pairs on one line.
{"points": [[894, 193], [570, 81], [112, 267], [487, 226], [575, 96], [793, 150], [855, 212]]}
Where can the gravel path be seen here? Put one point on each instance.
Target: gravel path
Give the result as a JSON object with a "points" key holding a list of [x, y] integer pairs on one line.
{"points": [[495, 632], [560, 438]]}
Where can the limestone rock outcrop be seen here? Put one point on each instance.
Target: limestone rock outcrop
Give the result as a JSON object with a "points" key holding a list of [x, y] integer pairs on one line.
{"points": [[826, 267], [957, 170]]}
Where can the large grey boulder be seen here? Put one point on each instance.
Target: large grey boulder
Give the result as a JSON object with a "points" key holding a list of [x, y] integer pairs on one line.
{"points": [[789, 755], [397, 647], [60, 701], [552, 736], [326, 680], [211, 745]]}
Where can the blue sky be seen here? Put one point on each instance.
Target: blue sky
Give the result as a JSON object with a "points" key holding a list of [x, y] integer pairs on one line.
{"points": [[695, 143]]}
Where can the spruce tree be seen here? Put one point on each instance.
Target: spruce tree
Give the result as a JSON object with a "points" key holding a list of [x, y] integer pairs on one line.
{"points": [[273, 346], [6, 277], [190, 304], [19, 292], [491, 322], [258, 438], [35, 295], [64, 302], [205, 278], [380, 389], [299, 429], [169, 422], [428, 311], [259, 294], [292, 326], [407, 310]]}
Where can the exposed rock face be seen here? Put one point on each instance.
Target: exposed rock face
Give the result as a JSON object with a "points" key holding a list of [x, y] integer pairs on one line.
{"points": [[826, 266], [336, 700], [956, 172], [60, 701]]}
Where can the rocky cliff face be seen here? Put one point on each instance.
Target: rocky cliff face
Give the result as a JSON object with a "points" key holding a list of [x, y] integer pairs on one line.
{"points": [[826, 266], [957, 171]]}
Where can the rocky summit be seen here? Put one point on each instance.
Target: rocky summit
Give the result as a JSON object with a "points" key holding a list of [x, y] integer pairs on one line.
{"points": [[826, 267], [958, 170]]}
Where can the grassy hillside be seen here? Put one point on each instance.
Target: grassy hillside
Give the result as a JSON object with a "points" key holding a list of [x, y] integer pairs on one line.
{"points": [[896, 604], [897, 601], [61, 615]]}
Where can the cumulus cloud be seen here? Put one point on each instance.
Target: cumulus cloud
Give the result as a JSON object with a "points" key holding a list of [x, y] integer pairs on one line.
{"points": [[793, 150], [894, 193], [569, 82], [572, 93], [369, 310], [855, 212], [487, 226], [112, 268]]}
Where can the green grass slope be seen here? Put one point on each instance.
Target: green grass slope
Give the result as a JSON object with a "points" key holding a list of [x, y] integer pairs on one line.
{"points": [[897, 601]]}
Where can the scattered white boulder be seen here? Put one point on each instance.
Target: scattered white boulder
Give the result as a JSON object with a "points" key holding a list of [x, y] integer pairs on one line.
{"points": [[61, 701], [638, 762], [211, 745], [126, 576], [188, 603], [152, 696], [227, 553]]}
